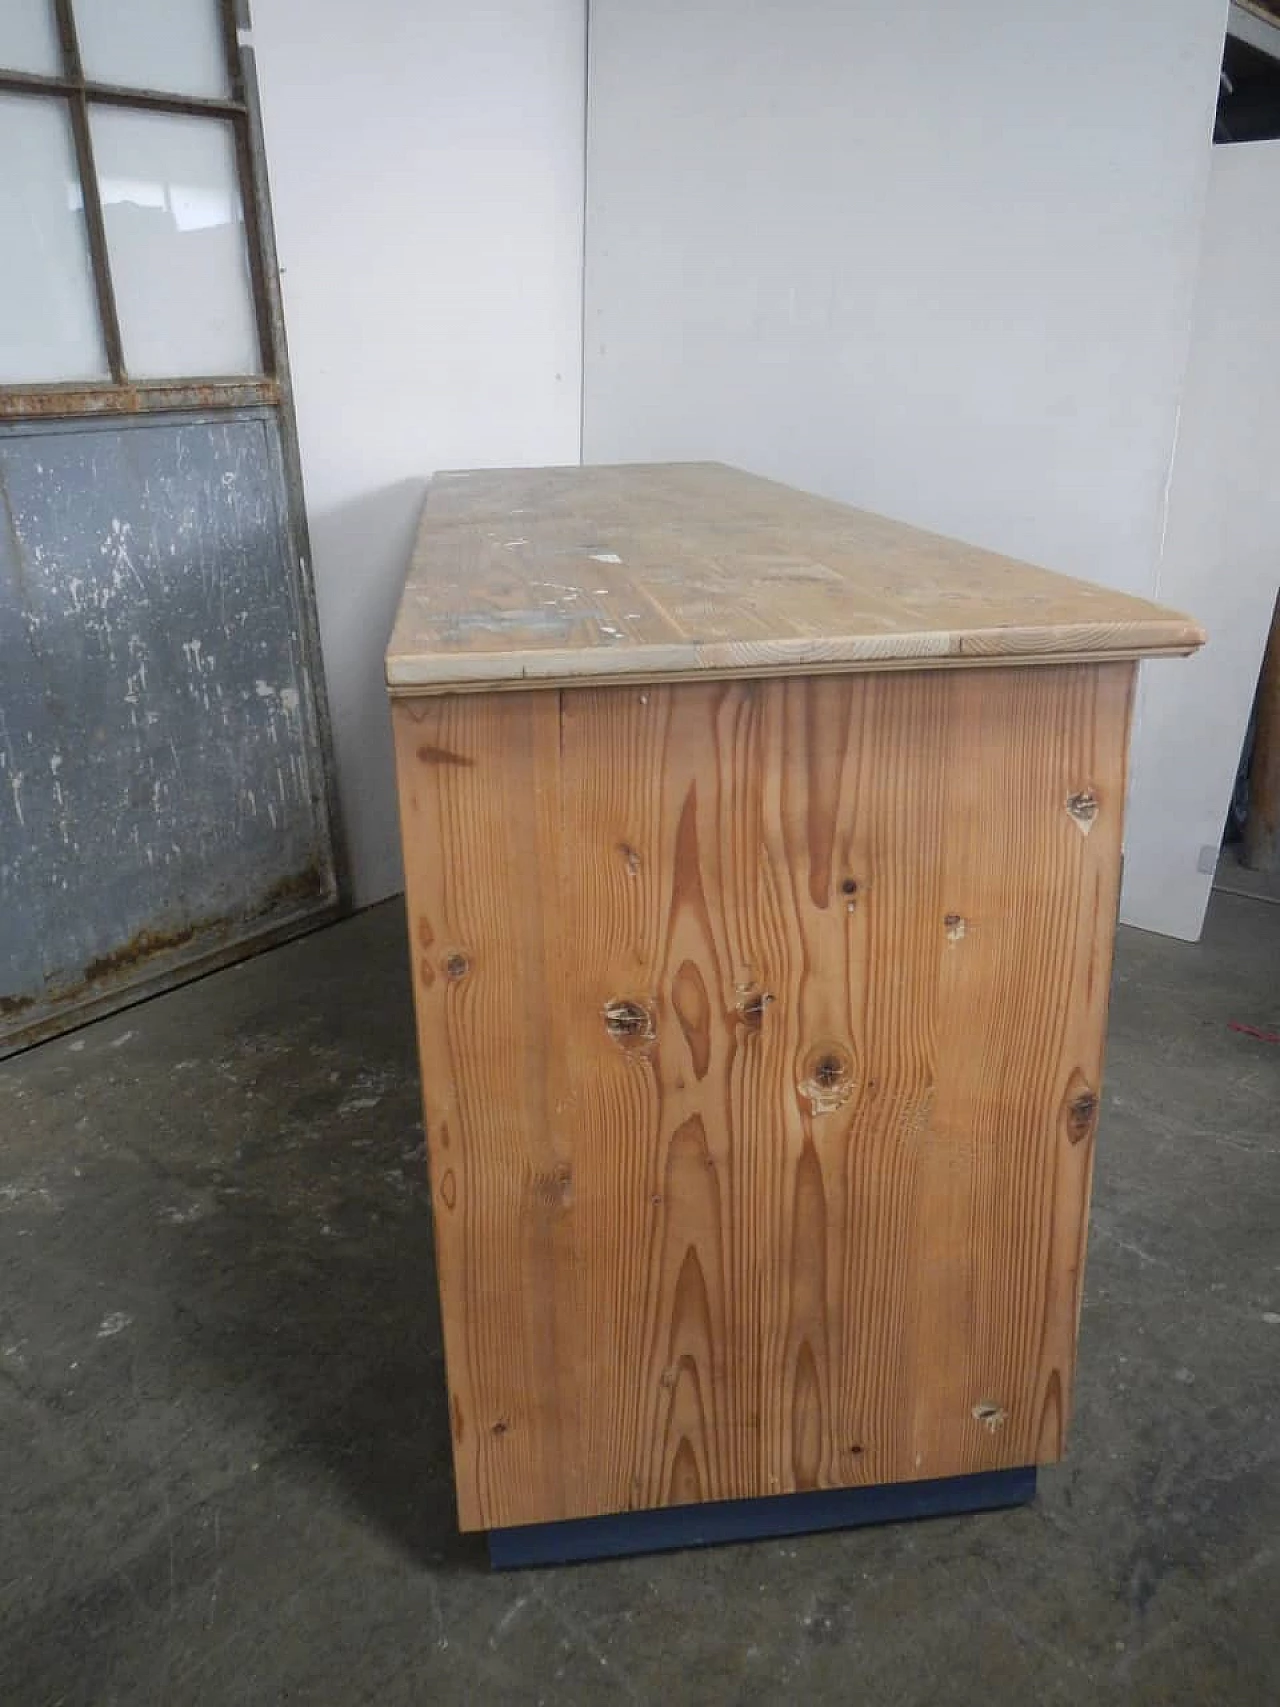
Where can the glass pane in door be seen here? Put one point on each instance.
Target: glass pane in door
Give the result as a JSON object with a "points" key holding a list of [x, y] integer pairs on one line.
{"points": [[28, 40], [176, 240], [49, 329], [172, 45]]}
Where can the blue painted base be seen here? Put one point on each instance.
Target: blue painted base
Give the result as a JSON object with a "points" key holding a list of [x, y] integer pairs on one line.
{"points": [[671, 1527]]}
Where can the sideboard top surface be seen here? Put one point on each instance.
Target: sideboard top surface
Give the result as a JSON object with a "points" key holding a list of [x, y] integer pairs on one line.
{"points": [[668, 571]]}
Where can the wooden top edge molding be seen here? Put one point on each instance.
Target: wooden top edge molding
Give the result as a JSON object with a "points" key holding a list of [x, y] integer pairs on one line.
{"points": [[667, 571]]}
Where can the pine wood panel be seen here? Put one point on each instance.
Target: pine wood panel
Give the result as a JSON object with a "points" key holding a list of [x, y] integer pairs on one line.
{"points": [[761, 1030], [1262, 826], [685, 570]]}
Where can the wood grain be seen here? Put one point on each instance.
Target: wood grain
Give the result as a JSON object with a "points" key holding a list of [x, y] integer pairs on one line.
{"points": [[687, 570], [761, 1028], [1262, 826]]}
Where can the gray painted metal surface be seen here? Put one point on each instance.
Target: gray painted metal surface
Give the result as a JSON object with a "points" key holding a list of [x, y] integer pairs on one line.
{"points": [[162, 783]]}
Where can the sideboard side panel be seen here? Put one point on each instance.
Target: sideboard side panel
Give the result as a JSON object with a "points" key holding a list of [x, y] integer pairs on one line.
{"points": [[761, 1027]]}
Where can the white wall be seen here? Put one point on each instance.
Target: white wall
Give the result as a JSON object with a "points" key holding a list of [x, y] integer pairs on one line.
{"points": [[934, 259], [426, 171], [1222, 550]]}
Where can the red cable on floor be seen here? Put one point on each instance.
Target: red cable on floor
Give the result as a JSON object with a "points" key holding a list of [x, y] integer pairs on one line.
{"points": [[1253, 1031]]}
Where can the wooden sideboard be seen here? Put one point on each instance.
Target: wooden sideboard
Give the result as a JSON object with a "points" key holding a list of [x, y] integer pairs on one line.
{"points": [[762, 861]]}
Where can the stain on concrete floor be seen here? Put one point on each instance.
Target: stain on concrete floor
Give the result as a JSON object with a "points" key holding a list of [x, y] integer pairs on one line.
{"points": [[224, 1472]]}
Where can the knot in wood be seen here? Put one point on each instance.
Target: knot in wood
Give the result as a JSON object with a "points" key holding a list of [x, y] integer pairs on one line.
{"points": [[629, 1023], [457, 965], [1083, 808], [827, 1080], [752, 1009], [1079, 1108], [1081, 1112]]}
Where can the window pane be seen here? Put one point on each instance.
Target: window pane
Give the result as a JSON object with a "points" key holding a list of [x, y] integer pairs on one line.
{"points": [[176, 241], [174, 45], [28, 40], [48, 310]]}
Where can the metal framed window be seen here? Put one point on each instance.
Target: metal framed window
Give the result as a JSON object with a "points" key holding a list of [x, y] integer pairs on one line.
{"points": [[116, 280]]}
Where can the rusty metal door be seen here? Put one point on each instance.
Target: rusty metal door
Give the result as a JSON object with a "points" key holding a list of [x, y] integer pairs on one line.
{"points": [[161, 791], [165, 794]]}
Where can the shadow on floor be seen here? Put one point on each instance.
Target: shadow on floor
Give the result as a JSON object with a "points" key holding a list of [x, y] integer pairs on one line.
{"points": [[314, 1287]]}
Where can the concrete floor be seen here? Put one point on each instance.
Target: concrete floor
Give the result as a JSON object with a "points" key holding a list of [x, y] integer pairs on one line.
{"points": [[224, 1464]]}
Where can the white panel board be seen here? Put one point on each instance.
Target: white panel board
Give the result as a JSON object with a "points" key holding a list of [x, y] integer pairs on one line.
{"points": [[1221, 557]]}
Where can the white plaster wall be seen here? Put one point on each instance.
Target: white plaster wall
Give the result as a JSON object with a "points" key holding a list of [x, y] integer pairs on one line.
{"points": [[936, 260], [426, 167], [932, 259], [1221, 558]]}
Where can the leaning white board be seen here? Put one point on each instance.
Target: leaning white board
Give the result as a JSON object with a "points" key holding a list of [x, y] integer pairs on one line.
{"points": [[1221, 556]]}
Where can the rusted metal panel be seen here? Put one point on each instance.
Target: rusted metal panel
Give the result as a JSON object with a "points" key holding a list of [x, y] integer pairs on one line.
{"points": [[163, 794], [53, 402]]}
